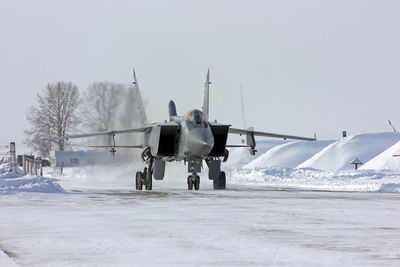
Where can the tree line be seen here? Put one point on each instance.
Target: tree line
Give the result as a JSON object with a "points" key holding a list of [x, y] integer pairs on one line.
{"points": [[61, 110]]}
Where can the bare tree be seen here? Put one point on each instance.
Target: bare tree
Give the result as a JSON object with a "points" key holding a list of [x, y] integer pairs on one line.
{"points": [[133, 113], [108, 105], [54, 116], [112, 106], [101, 102]]}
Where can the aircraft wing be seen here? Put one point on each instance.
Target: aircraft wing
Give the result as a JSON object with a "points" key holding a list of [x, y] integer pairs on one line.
{"points": [[111, 132], [251, 142], [265, 134]]}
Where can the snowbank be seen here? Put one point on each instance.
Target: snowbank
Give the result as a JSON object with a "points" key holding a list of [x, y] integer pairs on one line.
{"points": [[11, 183], [385, 160], [363, 146], [312, 179], [289, 154], [324, 165], [240, 156]]}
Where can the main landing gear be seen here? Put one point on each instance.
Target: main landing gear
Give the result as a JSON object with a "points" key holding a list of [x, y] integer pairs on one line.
{"points": [[145, 178], [215, 173], [219, 183]]}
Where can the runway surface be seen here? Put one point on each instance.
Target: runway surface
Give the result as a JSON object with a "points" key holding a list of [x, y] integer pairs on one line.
{"points": [[241, 226]]}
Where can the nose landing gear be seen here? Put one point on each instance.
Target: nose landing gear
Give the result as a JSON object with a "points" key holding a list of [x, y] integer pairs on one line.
{"points": [[193, 181]]}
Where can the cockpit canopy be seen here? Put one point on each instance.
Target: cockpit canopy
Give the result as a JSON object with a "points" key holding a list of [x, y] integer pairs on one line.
{"points": [[195, 116]]}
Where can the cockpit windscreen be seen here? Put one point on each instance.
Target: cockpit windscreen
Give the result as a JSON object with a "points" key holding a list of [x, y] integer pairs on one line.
{"points": [[195, 116]]}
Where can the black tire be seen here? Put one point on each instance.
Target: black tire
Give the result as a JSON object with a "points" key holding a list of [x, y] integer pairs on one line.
{"points": [[197, 182], [148, 179], [190, 182], [139, 180], [220, 182], [216, 183]]}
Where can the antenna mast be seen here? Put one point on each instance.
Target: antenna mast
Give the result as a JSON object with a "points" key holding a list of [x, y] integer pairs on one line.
{"points": [[242, 105], [390, 123]]}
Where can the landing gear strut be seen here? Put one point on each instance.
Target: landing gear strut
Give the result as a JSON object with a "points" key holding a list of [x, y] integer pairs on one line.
{"points": [[193, 181], [146, 177]]}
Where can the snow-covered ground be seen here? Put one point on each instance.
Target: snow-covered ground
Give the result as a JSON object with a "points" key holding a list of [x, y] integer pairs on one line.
{"points": [[311, 179], [241, 226]]}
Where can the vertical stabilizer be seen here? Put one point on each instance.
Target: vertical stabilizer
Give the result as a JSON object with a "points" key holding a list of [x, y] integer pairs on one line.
{"points": [[206, 102], [134, 77], [172, 109], [140, 109]]}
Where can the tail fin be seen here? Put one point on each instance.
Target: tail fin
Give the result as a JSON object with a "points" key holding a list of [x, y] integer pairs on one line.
{"points": [[140, 105], [134, 77], [172, 109], [206, 96]]}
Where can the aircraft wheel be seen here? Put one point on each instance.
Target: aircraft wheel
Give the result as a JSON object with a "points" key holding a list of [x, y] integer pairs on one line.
{"points": [[148, 179], [139, 180], [220, 182], [197, 183], [190, 182]]}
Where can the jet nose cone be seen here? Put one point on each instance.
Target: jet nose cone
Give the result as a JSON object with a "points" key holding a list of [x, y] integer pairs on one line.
{"points": [[199, 142]]}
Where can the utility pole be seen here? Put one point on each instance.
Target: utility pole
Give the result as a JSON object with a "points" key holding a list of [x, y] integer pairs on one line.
{"points": [[242, 106]]}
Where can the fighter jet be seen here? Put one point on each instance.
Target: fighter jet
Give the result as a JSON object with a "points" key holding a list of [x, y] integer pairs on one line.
{"points": [[191, 138]]}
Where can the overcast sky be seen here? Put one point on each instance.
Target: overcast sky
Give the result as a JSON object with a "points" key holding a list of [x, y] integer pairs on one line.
{"points": [[305, 66]]}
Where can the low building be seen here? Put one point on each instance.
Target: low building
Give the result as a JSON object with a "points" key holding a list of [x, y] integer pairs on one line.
{"points": [[81, 158]]}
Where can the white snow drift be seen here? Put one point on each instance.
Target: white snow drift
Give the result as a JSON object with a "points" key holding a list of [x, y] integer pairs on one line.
{"points": [[387, 160], [329, 169], [238, 157], [288, 154], [338, 155], [11, 183]]}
